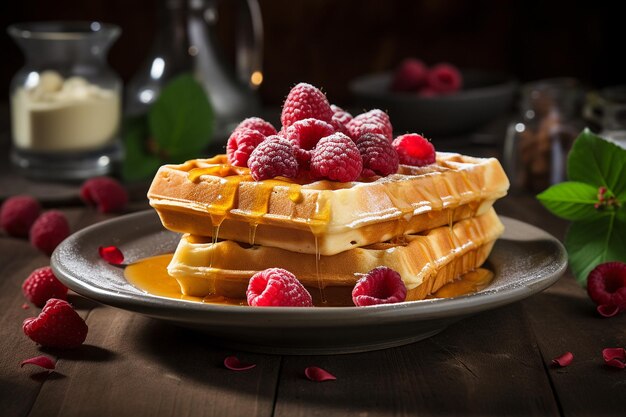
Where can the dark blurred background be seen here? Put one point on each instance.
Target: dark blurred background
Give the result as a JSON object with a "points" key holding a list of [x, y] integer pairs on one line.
{"points": [[328, 43]]}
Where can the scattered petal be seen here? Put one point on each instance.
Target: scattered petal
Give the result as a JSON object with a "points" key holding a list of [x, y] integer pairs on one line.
{"points": [[563, 360], [111, 254], [318, 374], [615, 357], [234, 364], [25, 306], [43, 361], [607, 310]]}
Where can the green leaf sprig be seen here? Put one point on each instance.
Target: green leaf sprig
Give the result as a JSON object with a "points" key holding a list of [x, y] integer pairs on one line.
{"points": [[178, 127], [594, 199]]}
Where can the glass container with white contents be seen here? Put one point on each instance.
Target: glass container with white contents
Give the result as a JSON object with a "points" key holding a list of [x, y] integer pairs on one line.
{"points": [[65, 101]]}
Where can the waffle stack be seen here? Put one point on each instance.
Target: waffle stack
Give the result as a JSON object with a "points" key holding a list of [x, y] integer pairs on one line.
{"points": [[431, 224]]}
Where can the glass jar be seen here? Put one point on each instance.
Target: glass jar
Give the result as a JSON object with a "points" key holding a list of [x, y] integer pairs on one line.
{"points": [[65, 101], [606, 109], [538, 141]]}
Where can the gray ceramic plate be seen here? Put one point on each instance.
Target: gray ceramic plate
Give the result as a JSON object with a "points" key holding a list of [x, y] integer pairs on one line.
{"points": [[525, 260]]}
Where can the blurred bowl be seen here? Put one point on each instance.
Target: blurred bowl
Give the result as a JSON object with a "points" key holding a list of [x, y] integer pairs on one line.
{"points": [[484, 97]]}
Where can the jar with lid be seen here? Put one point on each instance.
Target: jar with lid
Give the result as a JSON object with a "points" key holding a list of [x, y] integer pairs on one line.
{"points": [[538, 141], [606, 111], [65, 101]]}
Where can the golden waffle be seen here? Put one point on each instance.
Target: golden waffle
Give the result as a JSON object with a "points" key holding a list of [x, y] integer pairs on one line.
{"points": [[425, 262], [207, 197]]}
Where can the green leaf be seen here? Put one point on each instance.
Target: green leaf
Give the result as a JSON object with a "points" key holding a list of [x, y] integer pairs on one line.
{"points": [[592, 242], [598, 162], [571, 200], [181, 119], [138, 164]]}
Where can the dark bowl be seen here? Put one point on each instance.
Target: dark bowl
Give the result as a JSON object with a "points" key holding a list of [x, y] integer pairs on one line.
{"points": [[484, 97]]}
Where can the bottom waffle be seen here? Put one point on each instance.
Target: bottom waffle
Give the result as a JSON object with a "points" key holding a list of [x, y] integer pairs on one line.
{"points": [[425, 262]]}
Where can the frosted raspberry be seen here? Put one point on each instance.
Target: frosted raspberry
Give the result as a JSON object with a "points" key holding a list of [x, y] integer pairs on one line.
{"points": [[272, 158], [305, 101], [240, 145], [57, 326], [606, 286], [50, 229], [374, 121], [107, 194], [18, 214], [414, 149], [276, 287], [41, 285], [258, 124], [410, 75], [340, 120], [307, 132], [381, 285], [379, 157], [444, 78], [336, 158]]}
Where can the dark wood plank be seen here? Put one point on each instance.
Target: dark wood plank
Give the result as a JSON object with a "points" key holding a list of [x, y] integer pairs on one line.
{"points": [[484, 365]]}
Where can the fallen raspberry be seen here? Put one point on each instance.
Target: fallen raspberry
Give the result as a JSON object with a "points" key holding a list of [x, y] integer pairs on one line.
{"points": [[606, 286], [234, 364], [272, 158], [50, 229], [41, 361], [336, 158], [107, 194], [307, 132], [615, 357], [564, 360], [18, 214], [414, 149], [381, 285], [410, 75], [42, 285], [240, 145], [276, 287], [373, 121], [258, 124], [57, 326], [340, 120], [317, 374], [111, 254], [305, 101], [444, 78], [379, 157]]}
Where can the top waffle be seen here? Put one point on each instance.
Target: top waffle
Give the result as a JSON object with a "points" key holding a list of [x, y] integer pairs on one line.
{"points": [[208, 197]]}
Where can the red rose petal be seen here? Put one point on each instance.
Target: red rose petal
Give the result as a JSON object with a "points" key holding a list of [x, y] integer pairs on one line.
{"points": [[234, 364], [318, 374], [43, 361], [563, 360], [111, 254], [615, 357], [607, 310]]}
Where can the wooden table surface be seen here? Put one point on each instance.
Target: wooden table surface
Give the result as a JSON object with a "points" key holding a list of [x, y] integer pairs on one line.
{"points": [[494, 363]]}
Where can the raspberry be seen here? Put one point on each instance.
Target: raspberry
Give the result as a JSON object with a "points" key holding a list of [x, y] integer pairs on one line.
{"points": [[50, 229], [381, 285], [307, 132], [374, 121], [379, 157], [606, 286], [272, 158], [276, 287], [305, 101], [258, 124], [444, 78], [41, 285], [240, 145], [18, 214], [414, 149], [336, 158], [57, 326], [105, 193], [410, 75], [340, 120]]}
